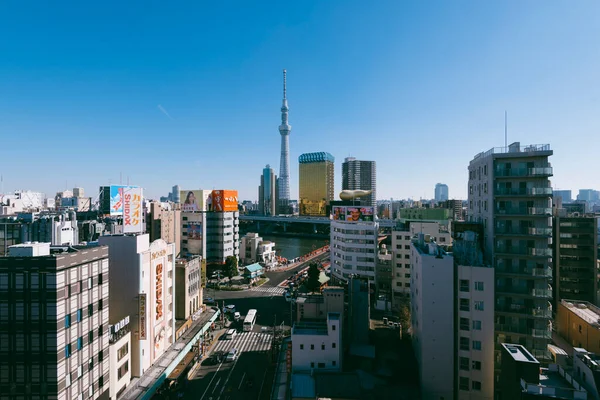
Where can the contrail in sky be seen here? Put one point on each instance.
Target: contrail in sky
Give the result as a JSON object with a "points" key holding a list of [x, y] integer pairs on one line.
{"points": [[162, 109]]}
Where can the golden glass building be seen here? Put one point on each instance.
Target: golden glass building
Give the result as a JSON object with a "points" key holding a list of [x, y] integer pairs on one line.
{"points": [[316, 183]]}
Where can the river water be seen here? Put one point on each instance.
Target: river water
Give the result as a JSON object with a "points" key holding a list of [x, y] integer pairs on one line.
{"points": [[292, 247]]}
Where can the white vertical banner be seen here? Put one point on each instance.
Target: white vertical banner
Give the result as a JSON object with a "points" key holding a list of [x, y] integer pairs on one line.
{"points": [[133, 212]]}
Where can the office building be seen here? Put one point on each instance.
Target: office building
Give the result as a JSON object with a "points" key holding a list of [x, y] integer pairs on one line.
{"points": [[164, 222], [142, 284], [284, 167], [222, 236], [402, 236], [10, 233], [316, 345], [510, 194], [578, 322], [316, 177], [422, 213], [353, 243], [575, 255], [360, 175], [54, 312], [564, 195], [188, 282], [441, 192], [120, 357], [588, 195], [267, 192], [384, 270]]}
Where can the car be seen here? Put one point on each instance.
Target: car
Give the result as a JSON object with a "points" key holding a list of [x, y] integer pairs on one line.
{"points": [[230, 308], [237, 316], [231, 356], [265, 329]]}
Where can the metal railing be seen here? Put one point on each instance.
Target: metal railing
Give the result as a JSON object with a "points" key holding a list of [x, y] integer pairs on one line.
{"points": [[533, 191], [524, 231], [522, 310], [544, 211], [524, 172], [528, 271], [525, 251]]}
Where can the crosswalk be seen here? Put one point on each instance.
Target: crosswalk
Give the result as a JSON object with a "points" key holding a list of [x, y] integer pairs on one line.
{"points": [[245, 341], [269, 290]]}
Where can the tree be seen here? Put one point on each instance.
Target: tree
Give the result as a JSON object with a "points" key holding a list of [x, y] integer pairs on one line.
{"points": [[312, 283], [230, 270], [404, 313]]}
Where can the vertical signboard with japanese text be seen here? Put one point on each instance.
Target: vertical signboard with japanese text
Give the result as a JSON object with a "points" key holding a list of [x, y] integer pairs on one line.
{"points": [[116, 198], [224, 200], [142, 314], [159, 264], [132, 210]]}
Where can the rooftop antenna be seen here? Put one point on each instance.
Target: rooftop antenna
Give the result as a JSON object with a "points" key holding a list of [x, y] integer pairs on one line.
{"points": [[505, 129]]}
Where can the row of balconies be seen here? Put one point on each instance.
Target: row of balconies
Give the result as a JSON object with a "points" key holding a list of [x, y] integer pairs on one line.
{"points": [[546, 232], [544, 272], [524, 291], [544, 191], [535, 172], [524, 251], [536, 312], [537, 333], [525, 211]]}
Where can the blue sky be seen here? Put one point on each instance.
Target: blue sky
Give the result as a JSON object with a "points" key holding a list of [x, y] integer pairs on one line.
{"points": [[419, 87]]}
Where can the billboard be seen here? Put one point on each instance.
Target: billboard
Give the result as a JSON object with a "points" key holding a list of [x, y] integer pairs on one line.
{"points": [[132, 210], [159, 264], [142, 314], [116, 198], [352, 213], [223, 200], [191, 200], [194, 231]]}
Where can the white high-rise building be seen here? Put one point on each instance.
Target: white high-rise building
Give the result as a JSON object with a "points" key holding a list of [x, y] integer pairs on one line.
{"points": [[510, 194], [142, 285]]}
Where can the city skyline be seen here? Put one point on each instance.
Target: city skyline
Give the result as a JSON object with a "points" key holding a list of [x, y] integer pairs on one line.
{"points": [[413, 88]]}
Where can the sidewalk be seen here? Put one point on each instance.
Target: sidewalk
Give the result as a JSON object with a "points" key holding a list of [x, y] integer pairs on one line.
{"points": [[144, 387], [280, 382], [316, 254]]}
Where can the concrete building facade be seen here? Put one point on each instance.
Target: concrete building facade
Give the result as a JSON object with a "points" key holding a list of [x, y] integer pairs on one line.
{"points": [[316, 183], [510, 194], [353, 248], [188, 281], [254, 249], [316, 345], [142, 286], [54, 315], [164, 222]]}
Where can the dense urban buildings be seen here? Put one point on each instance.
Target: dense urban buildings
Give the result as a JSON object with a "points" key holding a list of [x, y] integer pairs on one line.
{"points": [[188, 286], [360, 175], [575, 256], [316, 344], [564, 195], [510, 194], [54, 310], [441, 192], [267, 192], [253, 249], [316, 177], [164, 222], [284, 167]]}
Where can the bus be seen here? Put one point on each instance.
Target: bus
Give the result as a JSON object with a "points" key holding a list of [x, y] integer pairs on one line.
{"points": [[249, 320]]}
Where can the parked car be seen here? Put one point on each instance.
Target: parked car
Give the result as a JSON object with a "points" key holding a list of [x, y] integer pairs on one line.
{"points": [[230, 308], [237, 316], [231, 356]]}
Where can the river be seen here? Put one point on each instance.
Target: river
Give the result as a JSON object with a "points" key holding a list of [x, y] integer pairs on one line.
{"points": [[292, 247]]}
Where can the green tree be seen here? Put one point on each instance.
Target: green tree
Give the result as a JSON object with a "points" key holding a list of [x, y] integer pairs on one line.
{"points": [[404, 313], [312, 282], [230, 270]]}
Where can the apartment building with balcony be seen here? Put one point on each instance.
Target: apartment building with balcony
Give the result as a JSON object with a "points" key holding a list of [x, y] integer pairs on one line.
{"points": [[353, 249], [575, 255], [511, 195]]}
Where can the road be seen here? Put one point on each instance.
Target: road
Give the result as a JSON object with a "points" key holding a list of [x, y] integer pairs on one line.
{"points": [[269, 289]]}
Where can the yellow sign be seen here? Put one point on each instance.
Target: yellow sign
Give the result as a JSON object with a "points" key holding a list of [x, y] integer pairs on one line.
{"points": [[142, 311]]}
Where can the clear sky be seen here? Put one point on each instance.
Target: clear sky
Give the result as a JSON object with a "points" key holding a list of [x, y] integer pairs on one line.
{"points": [[420, 87]]}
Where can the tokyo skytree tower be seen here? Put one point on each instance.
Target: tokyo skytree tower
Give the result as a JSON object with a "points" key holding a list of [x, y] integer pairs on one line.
{"points": [[284, 166]]}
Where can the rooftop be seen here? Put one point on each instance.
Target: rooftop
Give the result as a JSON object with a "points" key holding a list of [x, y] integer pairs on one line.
{"points": [[584, 310], [519, 353], [254, 267], [515, 148], [306, 327], [555, 382], [321, 156]]}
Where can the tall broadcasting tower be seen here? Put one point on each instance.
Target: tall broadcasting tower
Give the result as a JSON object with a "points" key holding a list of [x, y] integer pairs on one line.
{"points": [[284, 166]]}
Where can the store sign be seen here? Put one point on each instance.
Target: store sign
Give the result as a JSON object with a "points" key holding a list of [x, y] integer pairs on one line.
{"points": [[159, 292], [132, 210], [119, 325], [142, 313], [158, 254], [288, 357]]}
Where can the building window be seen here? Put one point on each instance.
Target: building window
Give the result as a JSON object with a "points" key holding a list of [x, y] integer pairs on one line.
{"points": [[90, 310], [476, 345], [464, 363], [464, 343], [312, 346], [464, 305], [464, 324], [68, 350], [333, 327], [476, 325], [321, 365], [91, 364], [79, 343], [464, 285], [90, 336], [479, 305], [312, 364], [101, 355], [123, 351], [301, 347], [463, 383], [333, 345], [323, 346], [475, 385], [100, 279], [100, 330], [123, 369], [90, 283], [79, 315], [67, 321], [479, 286], [100, 304], [476, 365], [101, 381], [333, 363]]}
